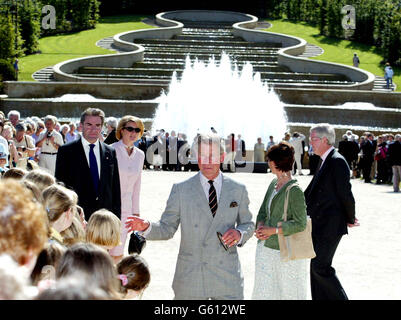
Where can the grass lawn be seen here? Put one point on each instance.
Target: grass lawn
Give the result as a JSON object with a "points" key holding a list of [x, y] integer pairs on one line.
{"points": [[336, 50], [55, 49]]}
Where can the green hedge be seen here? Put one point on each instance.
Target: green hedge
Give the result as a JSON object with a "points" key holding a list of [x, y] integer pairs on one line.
{"points": [[26, 16], [7, 72], [378, 22]]}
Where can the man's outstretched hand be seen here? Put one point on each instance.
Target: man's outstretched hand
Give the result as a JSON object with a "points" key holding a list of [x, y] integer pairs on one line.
{"points": [[136, 224]]}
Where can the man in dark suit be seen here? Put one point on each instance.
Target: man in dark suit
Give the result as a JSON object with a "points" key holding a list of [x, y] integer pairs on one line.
{"points": [[368, 148], [90, 168], [348, 149], [331, 206]]}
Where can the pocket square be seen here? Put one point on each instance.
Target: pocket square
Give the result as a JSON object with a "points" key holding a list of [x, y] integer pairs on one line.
{"points": [[233, 204]]}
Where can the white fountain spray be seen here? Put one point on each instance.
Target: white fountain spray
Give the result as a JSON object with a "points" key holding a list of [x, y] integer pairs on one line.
{"points": [[219, 95]]}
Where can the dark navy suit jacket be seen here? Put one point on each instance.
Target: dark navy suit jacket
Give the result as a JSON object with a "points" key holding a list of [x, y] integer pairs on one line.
{"points": [[72, 169], [329, 199]]}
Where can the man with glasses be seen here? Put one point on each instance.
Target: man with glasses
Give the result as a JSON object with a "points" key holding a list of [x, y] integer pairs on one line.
{"points": [[331, 206], [90, 168], [49, 141], [205, 205]]}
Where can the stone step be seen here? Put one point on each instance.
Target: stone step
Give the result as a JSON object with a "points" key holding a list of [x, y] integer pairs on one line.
{"points": [[218, 37], [307, 79], [99, 71], [354, 116], [189, 31], [181, 66], [311, 50], [44, 75], [204, 32], [209, 42], [209, 50], [380, 84], [207, 24], [211, 46], [202, 57]]}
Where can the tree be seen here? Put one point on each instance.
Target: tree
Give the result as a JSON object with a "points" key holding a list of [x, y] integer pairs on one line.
{"points": [[29, 23]]}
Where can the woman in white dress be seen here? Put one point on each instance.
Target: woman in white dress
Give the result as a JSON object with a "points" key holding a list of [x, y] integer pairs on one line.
{"points": [[130, 163], [274, 279]]}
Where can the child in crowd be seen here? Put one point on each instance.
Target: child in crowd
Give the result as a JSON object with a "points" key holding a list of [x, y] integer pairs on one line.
{"points": [[15, 173], [91, 264], [59, 203], [46, 263], [75, 232], [41, 178], [134, 275], [103, 229], [37, 194], [3, 159], [81, 214]]}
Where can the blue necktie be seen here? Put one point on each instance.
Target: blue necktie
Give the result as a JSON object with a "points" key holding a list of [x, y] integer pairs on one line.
{"points": [[93, 167]]}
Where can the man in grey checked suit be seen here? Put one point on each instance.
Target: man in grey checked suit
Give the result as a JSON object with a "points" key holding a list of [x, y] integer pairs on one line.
{"points": [[205, 270]]}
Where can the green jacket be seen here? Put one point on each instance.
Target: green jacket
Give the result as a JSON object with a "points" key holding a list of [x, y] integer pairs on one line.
{"points": [[296, 212]]}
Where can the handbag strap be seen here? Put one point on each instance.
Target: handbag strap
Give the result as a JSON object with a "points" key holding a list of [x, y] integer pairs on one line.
{"points": [[287, 193]]}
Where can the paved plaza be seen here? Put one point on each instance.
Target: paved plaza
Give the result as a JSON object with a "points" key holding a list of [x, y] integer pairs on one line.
{"points": [[367, 260]]}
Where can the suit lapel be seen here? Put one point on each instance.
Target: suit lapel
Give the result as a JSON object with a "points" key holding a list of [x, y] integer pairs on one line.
{"points": [[322, 169], [104, 158], [200, 198], [81, 158]]}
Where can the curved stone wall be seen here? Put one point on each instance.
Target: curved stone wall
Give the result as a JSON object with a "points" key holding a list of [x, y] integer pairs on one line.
{"points": [[63, 70], [243, 25], [294, 46]]}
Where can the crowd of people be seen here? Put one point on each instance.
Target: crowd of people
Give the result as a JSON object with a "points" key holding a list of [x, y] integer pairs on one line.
{"points": [[69, 210], [74, 194], [373, 159]]}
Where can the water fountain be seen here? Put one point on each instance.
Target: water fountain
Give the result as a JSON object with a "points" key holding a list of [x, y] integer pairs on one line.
{"points": [[216, 94]]}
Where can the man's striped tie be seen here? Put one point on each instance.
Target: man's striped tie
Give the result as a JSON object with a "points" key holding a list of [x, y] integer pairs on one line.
{"points": [[212, 198]]}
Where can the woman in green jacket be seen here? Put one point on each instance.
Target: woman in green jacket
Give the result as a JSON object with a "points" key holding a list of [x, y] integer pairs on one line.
{"points": [[275, 279]]}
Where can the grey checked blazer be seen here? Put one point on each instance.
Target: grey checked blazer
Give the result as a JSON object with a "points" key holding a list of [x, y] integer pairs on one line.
{"points": [[204, 268]]}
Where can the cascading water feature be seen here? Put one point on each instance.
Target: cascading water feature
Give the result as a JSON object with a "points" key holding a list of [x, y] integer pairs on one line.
{"points": [[217, 94]]}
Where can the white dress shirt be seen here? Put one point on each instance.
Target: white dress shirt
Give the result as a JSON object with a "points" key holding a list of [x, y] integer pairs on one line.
{"points": [[324, 155], [217, 183], [96, 150]]}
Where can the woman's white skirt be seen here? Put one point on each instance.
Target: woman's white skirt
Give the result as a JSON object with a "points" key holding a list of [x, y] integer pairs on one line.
{"points": [[277, 280]]}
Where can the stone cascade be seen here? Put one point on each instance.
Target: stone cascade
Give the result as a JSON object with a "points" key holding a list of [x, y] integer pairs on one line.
{"points": [[203, 41]]}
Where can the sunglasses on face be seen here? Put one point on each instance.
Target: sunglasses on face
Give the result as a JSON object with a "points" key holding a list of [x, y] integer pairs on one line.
{"points": [[131, 129]]}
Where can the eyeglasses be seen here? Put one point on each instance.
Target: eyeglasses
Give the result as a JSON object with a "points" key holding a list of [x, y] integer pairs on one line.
{"points": [[131, 129], [314, 139]]}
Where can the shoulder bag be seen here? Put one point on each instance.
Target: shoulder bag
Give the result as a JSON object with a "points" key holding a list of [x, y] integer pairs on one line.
{"points": [[298, 245]]}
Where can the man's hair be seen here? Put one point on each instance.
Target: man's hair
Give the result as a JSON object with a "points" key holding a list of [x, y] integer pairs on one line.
{"points": [[13, 113], [325, 130], [92, 112], [208, 138], [112, 122], [51, 118]]}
